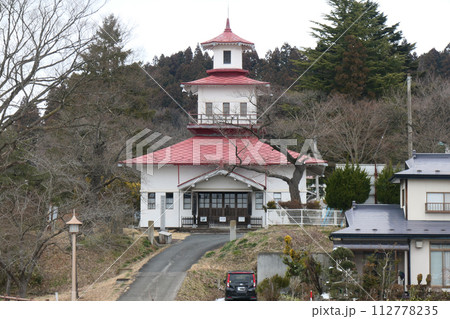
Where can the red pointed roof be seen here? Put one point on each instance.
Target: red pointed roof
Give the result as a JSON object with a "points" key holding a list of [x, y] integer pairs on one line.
{"points": [[227, 37], [226, 77], [214, 150]]}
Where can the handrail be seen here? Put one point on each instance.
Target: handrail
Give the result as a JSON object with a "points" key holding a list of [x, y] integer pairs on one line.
{"points": [[217, 118], [437, 207]]}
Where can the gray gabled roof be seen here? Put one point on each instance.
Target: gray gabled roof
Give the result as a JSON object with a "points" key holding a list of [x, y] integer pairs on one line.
{"points": [[425, 165], [388, 221]]}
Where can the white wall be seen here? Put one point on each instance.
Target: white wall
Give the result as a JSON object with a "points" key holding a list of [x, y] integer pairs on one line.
{"points": [[235, 95], [417, 197], [420, 260], [167, 178], [236, 57]]}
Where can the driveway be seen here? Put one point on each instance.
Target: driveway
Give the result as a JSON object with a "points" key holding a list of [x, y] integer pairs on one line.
{"points": [[161, 278]]}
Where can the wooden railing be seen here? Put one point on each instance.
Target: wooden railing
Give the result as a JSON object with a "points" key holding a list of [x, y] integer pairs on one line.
{"points": [[187, 221], [437, 207], [231, 119], [217, 221]]}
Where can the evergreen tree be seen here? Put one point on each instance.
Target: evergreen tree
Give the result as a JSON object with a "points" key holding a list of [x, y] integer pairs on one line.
{"points": [[346, 185], [387, 192], [365, 57], [342, 273], [435, 63]]}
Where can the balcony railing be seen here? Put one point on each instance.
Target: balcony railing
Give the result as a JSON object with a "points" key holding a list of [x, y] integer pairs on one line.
{"points": [[224, 119], [437, 207]]}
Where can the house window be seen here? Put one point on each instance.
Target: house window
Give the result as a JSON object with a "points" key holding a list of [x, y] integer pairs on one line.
{"points": [[209, 110], [169, 200], [151, 201], [216, 200], [203, 200], [226, 57], [243, 109], [242, 200], [438, 202], [226, 108], [277, 197], [229, 200], [259, 197], [187, 200], [440, 265]]}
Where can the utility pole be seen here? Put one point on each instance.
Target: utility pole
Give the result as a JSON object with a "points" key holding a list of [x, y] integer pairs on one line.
{"points": [[408, 104]]}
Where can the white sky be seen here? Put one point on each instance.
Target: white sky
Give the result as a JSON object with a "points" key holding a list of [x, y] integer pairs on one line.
{"points": [[166, 27]]}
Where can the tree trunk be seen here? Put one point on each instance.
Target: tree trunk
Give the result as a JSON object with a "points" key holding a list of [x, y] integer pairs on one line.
{"points": [[8, 285], [23, 285], [294, 182]]}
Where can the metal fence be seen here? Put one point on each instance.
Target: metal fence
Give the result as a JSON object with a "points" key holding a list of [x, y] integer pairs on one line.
{"points": [[318, 217]]}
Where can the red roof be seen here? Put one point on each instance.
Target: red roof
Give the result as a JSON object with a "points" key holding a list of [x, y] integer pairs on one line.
{"points": [[212, 150], [227, 37], [226, 77]]}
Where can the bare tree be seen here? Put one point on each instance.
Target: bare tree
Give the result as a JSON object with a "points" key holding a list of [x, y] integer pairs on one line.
{"points": [[41, 42], [431, 115], [27, 222]]}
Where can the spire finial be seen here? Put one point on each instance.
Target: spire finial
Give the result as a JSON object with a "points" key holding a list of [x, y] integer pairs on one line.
{"points": [[227, 27]]}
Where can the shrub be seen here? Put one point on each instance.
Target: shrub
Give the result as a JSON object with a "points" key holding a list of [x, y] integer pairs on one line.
{"points": [[271, 205], [342, 273], [313, 204], [292, 204], [270, 288], [303, 265], [387, 192], [347, 185]]}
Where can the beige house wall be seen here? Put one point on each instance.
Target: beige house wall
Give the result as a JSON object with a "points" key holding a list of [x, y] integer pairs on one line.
{"points": [[417, 197]]}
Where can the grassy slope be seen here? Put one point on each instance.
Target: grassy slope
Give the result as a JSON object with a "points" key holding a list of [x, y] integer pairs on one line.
{"points": [[95, 253], [203, 278]]}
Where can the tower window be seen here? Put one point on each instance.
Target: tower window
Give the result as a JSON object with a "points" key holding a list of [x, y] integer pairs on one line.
{"points": [[243, 109], [209, 110], [226, 108], [226, 57]]}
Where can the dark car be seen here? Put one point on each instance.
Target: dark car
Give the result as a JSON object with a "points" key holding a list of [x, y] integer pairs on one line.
{"points": [[240, 285]]}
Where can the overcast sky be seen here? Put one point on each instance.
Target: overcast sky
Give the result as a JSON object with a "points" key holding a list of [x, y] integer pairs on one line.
{"points": [[168, 26]]}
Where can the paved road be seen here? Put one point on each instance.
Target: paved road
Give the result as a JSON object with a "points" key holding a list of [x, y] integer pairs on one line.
{"points": [[161, 278]]}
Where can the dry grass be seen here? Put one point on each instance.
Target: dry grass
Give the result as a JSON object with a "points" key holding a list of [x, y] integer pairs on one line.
{"points": [[204, 278], [95, 255]]}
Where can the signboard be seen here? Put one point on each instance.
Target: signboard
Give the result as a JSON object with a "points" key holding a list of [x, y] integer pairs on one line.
{"points": [[203, 219], [241, 219], [222, 219]]}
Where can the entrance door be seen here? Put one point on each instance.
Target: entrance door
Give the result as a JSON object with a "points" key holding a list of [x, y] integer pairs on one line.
{"points": [[212, 206]]}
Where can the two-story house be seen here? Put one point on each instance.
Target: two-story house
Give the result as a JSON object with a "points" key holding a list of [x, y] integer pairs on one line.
{"points": [[417, 230]]}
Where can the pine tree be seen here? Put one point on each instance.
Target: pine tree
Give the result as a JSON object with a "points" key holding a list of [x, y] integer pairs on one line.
{"points": [[342, 273], [365, 57]]}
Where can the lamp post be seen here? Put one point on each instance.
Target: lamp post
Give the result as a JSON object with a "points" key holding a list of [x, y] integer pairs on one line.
{"points": [[74, 228]]}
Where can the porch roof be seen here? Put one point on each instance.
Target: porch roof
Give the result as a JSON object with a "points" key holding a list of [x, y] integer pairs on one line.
{"points": [[221, 172], [388, 221]]}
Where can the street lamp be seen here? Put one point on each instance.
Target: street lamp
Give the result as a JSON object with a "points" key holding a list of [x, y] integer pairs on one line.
{"points": [[74, 228]]}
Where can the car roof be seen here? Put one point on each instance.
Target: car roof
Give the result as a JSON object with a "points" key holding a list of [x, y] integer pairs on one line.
{"points": [[241, 272]]}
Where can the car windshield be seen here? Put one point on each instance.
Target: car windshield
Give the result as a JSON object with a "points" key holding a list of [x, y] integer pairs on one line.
{"points": [[241, 277]]}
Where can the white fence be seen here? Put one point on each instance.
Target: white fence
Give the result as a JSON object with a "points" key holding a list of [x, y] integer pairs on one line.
{"points": [[318, 217]]}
